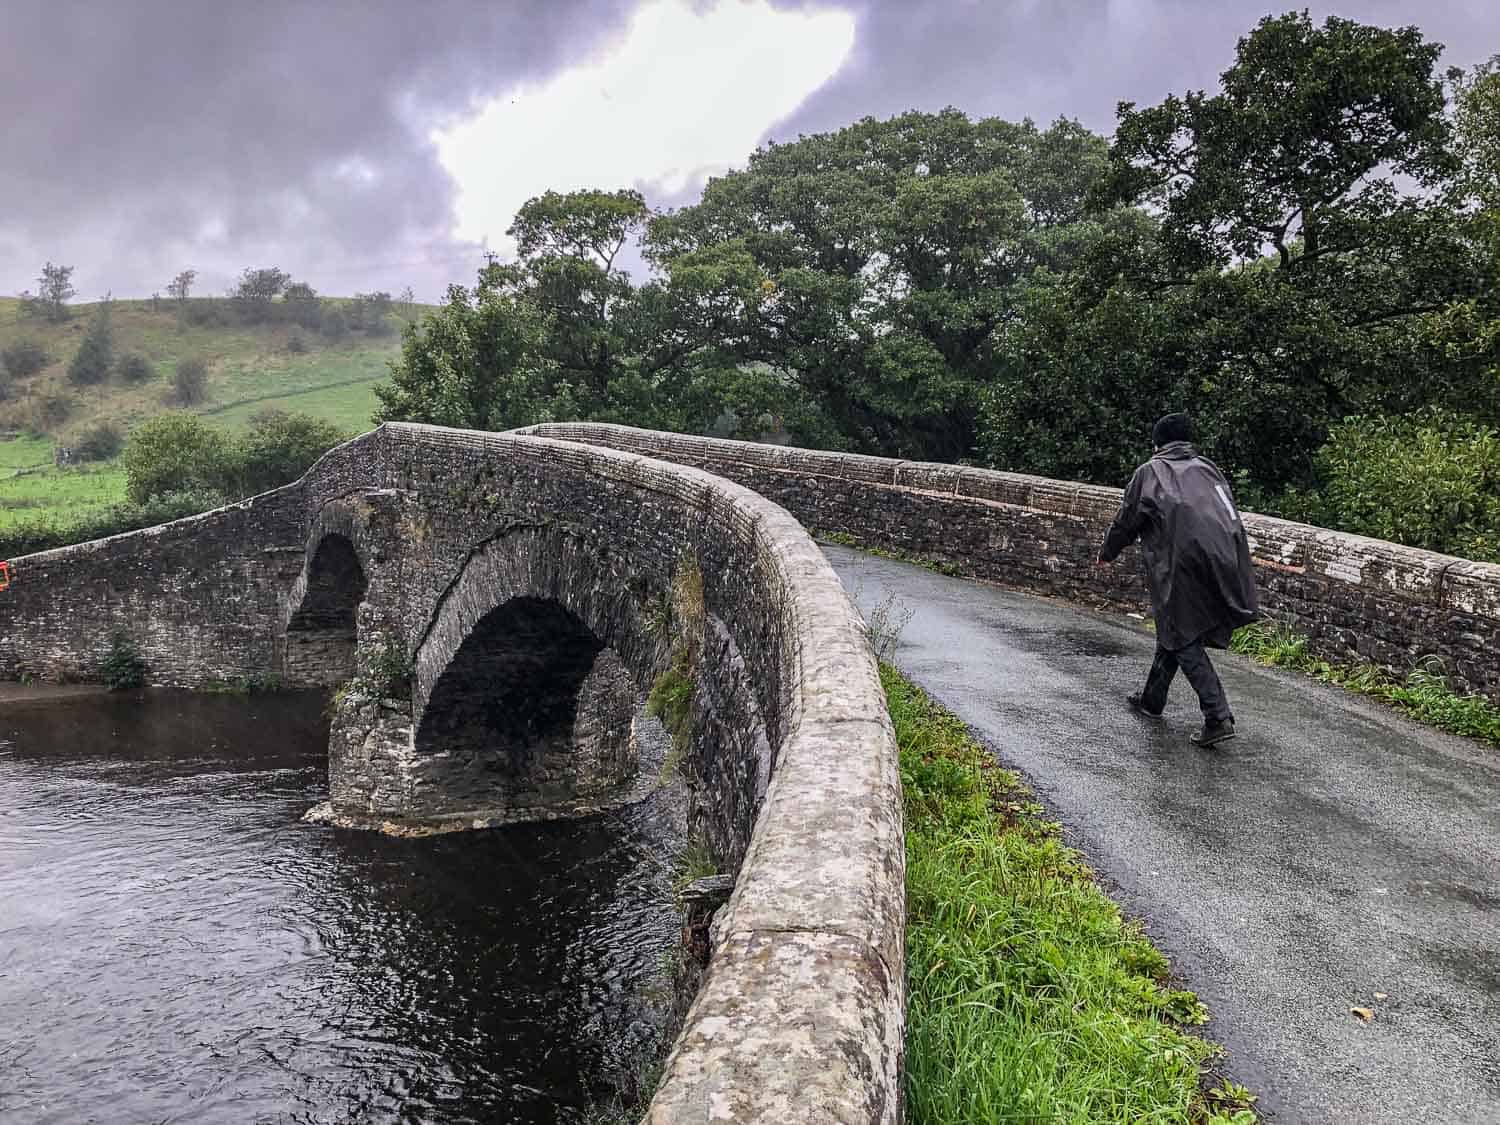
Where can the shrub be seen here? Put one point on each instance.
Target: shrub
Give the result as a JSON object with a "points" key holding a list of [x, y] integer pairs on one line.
{"points": [[301, 305], [134, 368], [371, 313], [296, 344], [190, 382], [99, 442], [1428, 480], [123, 667], [175, 452], [208, 312], [333, 323], [23, 358], [278, 448], [95, 356]]}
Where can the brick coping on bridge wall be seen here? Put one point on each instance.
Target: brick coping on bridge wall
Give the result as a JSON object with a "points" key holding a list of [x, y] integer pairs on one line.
{"points": [[1356, 598]]}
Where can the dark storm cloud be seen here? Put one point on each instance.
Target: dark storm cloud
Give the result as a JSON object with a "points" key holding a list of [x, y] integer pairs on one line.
{"points": [[144, 136], [1077, 58], [148, 136]]}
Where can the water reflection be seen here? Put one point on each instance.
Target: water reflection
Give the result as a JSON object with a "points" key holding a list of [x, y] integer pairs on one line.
{"points": [[176, 946]]}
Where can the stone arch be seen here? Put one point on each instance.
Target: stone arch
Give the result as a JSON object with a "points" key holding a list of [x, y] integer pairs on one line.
{"points": [[526, 688], [322, 630], [532, 708]]}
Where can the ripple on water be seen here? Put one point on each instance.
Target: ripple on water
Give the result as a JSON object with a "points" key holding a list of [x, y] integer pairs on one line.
{"points": [[176, 946]]}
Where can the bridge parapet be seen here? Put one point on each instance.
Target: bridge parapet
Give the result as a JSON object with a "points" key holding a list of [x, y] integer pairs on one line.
{"points": [[1356, 598]]}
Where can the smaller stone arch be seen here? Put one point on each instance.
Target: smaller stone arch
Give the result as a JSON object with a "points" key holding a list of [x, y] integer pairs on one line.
{"points": [[526, 691], [532, 709], [322, 631]]}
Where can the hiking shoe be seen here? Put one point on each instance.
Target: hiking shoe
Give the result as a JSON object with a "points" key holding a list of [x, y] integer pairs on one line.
{"points": [[1138, 705], [1213, 732]]}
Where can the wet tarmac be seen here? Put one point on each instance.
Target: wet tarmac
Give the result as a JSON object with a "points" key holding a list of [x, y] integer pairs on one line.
{"points": [[1334, 855]]}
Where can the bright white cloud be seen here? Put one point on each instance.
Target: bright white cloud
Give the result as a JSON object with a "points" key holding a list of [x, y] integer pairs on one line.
{"points": [[686, 94]]}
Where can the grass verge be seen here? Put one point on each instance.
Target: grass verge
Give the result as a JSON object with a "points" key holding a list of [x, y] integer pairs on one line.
{"points": [[844, 539], [1029, 996], [1424, 694]]}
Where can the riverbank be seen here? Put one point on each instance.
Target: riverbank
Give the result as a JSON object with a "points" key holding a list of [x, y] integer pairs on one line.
{"points": [[13, 692]]}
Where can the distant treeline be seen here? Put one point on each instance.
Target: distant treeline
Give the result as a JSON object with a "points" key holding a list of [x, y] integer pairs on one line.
{"points": [[263, 295]]}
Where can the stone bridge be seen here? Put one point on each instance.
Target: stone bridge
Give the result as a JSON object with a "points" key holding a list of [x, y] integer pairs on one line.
{"points": [[495, 606]]}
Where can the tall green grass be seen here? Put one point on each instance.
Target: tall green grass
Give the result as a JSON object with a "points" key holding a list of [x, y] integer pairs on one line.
{"points": [[1029, 997], [51, 494], [1424, 693], [24, 452]]}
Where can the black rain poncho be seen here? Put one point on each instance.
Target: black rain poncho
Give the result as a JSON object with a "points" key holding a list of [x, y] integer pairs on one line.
{"points": [[1179, 506]]}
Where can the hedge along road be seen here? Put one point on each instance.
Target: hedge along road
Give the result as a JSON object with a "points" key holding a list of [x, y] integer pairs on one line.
{"points": [[1332, 852]]}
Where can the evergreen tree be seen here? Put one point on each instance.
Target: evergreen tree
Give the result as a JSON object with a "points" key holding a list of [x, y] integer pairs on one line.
{"points": [[95, 356]]}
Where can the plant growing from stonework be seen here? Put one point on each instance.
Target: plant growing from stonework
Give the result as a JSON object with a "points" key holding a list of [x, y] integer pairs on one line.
{"points": [[123, 667], [695, 861], [671, 696], [671, 701], [391, 670]]}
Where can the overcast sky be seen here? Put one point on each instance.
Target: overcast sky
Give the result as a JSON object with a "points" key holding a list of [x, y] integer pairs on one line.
{"points": [[375, 144]]}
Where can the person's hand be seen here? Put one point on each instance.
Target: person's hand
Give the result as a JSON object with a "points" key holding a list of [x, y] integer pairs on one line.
{"points": [[1101, 562]]}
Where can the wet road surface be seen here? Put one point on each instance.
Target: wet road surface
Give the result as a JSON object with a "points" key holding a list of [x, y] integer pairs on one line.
{"points": [[1331, 852]]}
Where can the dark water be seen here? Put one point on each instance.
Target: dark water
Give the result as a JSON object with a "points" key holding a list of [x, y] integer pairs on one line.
{"points": [[176, 947]]}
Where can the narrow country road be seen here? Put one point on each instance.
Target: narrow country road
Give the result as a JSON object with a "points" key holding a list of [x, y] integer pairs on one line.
{"points": [[1331, 853]]}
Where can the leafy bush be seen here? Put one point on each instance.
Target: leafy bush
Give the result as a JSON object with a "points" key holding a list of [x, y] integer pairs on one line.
{"points": [[333, 323], [278, 448], [370, 313], [23, 358], [208, 312], [134, 368], [95, 356], [179, 452], [175, 452], [296, 344], [123, 667], [190, 382], [99, 442], [1428, 480]]}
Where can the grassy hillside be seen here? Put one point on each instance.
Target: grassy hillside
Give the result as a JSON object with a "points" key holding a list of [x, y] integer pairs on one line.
{"points": [[250, 368]]}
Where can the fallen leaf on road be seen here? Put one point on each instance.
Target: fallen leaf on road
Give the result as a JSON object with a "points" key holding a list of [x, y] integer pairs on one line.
{"points": [[1365, 1014]]}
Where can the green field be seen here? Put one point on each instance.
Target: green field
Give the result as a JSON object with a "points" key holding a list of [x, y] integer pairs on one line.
{"points": [[24, 453], [59, 491], [250, 368]]}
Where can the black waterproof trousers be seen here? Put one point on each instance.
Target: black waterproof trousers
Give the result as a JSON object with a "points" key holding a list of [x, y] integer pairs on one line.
{"points": [[1199, 670]]}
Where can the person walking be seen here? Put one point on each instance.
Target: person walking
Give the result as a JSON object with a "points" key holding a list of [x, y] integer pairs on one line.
{"points": [[1181, 509]]}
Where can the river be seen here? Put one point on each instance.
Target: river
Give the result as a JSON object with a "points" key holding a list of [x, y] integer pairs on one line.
{"points": [[177, 946]]}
